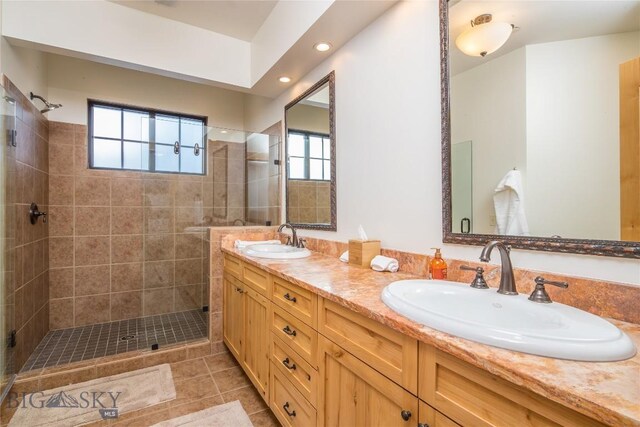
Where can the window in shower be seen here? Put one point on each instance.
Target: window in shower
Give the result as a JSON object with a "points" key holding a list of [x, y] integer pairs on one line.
{"points": [[309, 156], [133, 138]]}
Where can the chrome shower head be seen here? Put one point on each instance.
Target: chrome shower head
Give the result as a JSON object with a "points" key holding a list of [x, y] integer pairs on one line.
{"points": [[48, 106]]}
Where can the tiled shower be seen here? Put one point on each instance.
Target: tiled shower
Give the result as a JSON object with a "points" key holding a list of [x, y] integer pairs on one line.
{"points": [[122, 261]]}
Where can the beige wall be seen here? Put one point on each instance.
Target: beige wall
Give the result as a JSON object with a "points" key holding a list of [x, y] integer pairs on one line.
{"points": [[71, 81], [121, 245], [309, 118], [27, 181]]}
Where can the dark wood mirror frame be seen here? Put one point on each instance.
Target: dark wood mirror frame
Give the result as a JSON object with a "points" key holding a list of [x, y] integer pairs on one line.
{"points": [[613, 248], [330, 78]]}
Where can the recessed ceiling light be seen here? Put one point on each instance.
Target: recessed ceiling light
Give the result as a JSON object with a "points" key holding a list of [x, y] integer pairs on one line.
{"points": [[322, 46], [284, 79], [224, 131]]}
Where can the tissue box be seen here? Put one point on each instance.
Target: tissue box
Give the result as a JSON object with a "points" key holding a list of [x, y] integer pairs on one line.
{"points": [[361, 252]]}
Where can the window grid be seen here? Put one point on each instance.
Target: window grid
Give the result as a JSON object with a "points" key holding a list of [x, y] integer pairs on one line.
{"points": [[326, 175], [152, 143]]}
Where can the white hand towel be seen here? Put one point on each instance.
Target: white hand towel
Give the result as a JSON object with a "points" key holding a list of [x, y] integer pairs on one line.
{"points": [[239, 244], [345, 256], [383, 263], [508, 202]]}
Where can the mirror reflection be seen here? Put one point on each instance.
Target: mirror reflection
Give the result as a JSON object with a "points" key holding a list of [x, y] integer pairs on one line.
{"points": [[544, 118], [310, 159]]}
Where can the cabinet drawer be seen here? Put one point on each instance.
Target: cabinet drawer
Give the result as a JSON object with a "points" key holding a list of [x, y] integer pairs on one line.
{"points": [[258, 279], [472, 396], [295, 369], [233, 266], [233, 280], [294, 332], [298, 301], [288, 405], [393, 354]]}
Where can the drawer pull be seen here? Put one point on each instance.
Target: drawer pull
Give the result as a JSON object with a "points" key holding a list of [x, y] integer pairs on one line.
{"points": [[405, 415], [239, 290], [286, 362], [286, 409], [289, 297], [287, 330]]}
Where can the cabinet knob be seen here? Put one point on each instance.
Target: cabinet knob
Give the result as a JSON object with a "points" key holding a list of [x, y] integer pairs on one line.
{"points": [[405, 415], [289, 297], [287, 330], [286, 409], [288, 364]]}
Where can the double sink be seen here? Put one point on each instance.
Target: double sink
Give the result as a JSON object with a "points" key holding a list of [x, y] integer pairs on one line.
{"points": [[508, 321]]}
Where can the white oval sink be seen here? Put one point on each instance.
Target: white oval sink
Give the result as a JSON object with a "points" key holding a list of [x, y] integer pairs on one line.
{"points": [[275, 251], [507, 321]]}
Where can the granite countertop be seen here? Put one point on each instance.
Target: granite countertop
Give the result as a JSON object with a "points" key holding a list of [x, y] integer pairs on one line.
{"points": [[608, 392]]}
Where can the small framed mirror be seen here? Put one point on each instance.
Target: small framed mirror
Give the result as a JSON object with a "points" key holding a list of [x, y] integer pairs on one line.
{"points": [[311, 157]]}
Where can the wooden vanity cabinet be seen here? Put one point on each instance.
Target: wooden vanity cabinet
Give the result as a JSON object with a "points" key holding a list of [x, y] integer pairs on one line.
{"points": [[233, 314], [245, 324], [353, 393], [473, 397], [316, 362]]}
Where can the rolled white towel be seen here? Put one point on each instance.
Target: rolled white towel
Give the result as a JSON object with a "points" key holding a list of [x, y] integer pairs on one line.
{"points": [[345, 256], [239, 244], [383, 263]]}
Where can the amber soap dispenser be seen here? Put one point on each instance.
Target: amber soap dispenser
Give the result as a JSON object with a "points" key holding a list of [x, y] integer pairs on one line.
{"points": [[438, 266]]}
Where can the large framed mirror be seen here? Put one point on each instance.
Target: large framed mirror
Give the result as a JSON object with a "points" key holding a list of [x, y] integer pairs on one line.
{"points": [[540, 124], [310, 130]]}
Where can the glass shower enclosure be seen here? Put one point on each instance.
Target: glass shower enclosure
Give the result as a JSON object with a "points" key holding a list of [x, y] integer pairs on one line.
{"points": [[7, 241]]}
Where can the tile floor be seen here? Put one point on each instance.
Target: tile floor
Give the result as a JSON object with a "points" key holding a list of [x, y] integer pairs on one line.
{"points": [[200, 384], [87, 342]]}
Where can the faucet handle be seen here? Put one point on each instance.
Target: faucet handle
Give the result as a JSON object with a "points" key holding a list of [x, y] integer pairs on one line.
{"points": [[540, 294], [478, 282], [288, 241], [302, 242]]}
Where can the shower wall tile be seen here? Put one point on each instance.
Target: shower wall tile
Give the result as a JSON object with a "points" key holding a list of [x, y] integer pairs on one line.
{"points": [[92, 280], [116, 236], [92, 221], [126, 277], [28, 244], [91, 250]]}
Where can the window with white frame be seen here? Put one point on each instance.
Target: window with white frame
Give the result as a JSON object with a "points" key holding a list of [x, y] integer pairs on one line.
{"points": [[309, 156], [132, 138]]}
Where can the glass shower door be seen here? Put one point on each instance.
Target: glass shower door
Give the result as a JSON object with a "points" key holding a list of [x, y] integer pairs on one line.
{"points": [[7, 240]]}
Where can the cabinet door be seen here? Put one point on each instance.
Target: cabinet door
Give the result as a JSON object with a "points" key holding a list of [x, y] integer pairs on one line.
{"points": [[354, 394], [255, 358], [429, 417], [232, 315]]}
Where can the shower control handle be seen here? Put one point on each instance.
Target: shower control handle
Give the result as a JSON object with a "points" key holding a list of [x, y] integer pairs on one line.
{"points": [[34, 213]]}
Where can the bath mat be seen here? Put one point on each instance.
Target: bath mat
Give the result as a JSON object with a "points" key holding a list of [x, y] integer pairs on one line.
{"points": [[102, 398], [228, 415]]}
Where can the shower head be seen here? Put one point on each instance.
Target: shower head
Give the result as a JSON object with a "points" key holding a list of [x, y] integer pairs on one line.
{"points": [[48, 106]]}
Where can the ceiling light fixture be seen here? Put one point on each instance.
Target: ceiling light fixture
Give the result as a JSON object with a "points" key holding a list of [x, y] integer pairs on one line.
{"points": [[322, 46], [284, 79], [224, 131], [484, 36]]}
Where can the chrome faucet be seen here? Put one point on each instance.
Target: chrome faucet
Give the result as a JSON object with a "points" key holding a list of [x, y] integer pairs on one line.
{"points": [[507, 280], [291, 241]]}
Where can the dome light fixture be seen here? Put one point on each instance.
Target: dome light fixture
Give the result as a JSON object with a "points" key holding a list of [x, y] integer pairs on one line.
{"points": [[484, 36], [284, 79], [322, 46]]}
